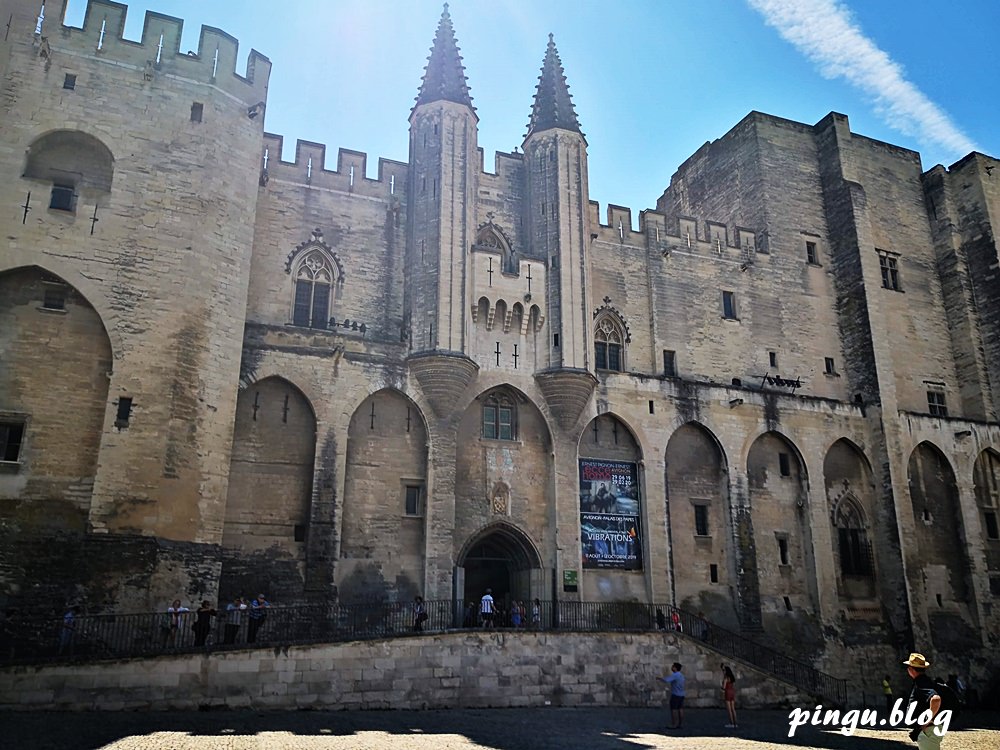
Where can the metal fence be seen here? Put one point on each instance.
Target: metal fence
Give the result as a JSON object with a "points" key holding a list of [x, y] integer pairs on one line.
{"points": [[116, 636]]}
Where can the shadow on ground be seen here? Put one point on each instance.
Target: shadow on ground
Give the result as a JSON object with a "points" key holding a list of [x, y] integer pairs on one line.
{"points": [[498, 729]]}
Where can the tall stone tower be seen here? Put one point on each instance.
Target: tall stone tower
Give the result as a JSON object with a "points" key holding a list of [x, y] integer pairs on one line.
{"points": [[557, 198], [137, 226], [444, 164]]}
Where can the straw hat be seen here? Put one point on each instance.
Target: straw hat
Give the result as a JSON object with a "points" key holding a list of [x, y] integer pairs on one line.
{"points": [[917, 661]]}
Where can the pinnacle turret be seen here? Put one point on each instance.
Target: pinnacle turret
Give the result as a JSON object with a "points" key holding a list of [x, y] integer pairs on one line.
{"points": [[444, 77], [553, 106]]}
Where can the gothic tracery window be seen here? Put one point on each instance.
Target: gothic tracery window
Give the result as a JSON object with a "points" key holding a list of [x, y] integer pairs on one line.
{"points": [[609, 345], [313, 284], [852, 540], [499, 417]]}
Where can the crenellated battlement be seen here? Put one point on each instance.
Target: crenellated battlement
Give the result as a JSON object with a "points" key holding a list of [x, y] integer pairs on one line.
{"points": [[667, 233], [158, 51], [349, 176]]}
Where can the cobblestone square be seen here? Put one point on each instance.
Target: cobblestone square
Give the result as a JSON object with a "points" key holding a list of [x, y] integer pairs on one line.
{"points": [[496, 729]]}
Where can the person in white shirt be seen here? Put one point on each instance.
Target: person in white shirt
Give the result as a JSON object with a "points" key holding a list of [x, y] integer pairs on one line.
{"points": [[487, 609]]}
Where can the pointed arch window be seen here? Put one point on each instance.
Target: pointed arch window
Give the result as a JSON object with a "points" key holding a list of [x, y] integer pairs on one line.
{"points": [[314, 278], [854, 549], [499, 417], [609, 345]]}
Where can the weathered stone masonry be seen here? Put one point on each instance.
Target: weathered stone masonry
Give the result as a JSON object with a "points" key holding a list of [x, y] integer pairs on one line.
{"points": [[221, 372]]}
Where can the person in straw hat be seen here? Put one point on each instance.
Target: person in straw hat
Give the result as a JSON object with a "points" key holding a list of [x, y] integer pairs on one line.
{"points": [[925, 696]]}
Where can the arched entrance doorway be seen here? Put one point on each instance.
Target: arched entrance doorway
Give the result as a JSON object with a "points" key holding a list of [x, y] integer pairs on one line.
{"points": [[503, 559]]}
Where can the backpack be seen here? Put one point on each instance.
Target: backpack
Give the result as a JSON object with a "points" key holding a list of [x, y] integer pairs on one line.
{"points": [[949, 698]]}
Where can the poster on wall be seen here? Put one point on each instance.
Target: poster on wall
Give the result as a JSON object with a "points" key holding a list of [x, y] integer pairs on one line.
{"points": [[609, 514]]}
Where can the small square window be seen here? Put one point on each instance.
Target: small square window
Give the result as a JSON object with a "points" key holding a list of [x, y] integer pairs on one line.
{"points": [[829, 367], [669, 363], [11, 440], [936, 404], [992, 530], [783, 550], [701, 520], [729, 305], [784, 465], [812, 256], [300, 532], [69, 82], [63, 198], [713, 573], [197, 110], [889, 266], [412, 500], [54, 299], [772, 358]]}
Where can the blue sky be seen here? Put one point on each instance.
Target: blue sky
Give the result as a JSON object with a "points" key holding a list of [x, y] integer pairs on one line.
{"points": [[652, 80]]}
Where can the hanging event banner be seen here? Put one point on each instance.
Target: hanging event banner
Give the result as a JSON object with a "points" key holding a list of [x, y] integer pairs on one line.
{"points": [[609, 514]]}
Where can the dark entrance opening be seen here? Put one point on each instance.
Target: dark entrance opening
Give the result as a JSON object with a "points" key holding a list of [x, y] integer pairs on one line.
{"points": [[487, 567], [501, 559]]}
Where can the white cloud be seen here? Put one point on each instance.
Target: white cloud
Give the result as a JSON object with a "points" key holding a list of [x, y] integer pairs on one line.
{"points": [[824, 31]]}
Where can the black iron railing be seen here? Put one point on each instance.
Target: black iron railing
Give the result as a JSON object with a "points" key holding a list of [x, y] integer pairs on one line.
{"points": [[116, 636]]}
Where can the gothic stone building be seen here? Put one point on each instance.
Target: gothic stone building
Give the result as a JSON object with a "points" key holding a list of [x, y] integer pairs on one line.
{"points": [[776, 402]]}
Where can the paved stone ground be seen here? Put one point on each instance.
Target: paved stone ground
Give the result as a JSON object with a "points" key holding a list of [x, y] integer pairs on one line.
{"points": [[496, 729]]}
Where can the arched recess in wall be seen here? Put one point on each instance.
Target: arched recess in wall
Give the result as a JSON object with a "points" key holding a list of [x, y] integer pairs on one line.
{"points": [[850, 495], [75, 165], [786, 565], [612, 510], [385, 500], [503, 475], [700, 525], [55, 365], [939, 533], [986, 481], [270, 491]]}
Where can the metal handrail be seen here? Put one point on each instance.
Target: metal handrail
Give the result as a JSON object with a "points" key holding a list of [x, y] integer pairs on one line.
{"points": [[117, 636]]}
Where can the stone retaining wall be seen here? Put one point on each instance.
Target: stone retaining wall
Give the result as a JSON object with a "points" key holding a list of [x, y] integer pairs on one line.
{"points": [[470, 669]]}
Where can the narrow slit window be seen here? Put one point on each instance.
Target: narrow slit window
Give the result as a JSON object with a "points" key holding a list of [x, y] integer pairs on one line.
{"points": [[829, 367], [124, 413], [812, 257], [783, 550], [701, 520], [713, 573], [729, 305], [772, 358], [412, 500], [300, 532], [992, 530], [197, 111], [784, 465], [69, 82], [669, 363]]}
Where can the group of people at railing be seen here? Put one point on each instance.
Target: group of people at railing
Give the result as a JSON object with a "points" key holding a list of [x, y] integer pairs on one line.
{"points": [[178, 620]]}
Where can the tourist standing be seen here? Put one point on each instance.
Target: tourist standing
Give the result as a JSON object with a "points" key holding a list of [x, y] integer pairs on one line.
{"points": [[487, 608], [729, 695], [925, 696], [67, 634], [419, 614], [258, 613], [203, 623], [676, 681], [234, 614], [887, 693], [175, 617]]}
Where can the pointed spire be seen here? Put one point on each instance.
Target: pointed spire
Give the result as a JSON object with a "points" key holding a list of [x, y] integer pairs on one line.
{"points": [[553, 107], [444, 77]]}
